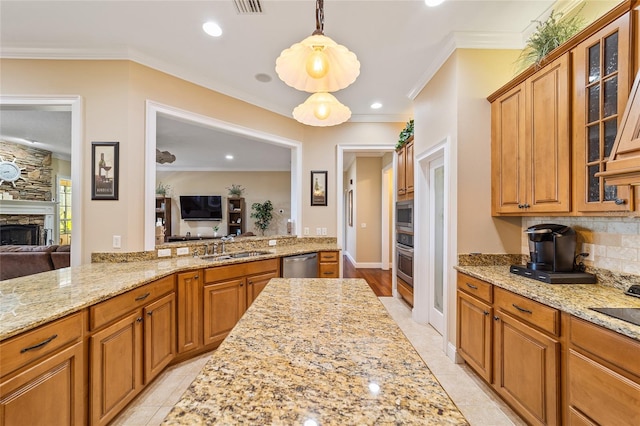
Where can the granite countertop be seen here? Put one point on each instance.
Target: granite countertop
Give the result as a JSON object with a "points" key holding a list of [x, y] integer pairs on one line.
{"points": [[575, 299], [33, 300], [315, 350]]}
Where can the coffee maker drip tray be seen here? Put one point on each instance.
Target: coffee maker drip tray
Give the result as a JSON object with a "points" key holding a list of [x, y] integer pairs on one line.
{"points": [[554, 277]]}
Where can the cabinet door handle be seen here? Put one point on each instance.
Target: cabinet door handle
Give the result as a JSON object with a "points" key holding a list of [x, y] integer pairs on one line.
{"points": [[144, 296], [250, 282], [527, 205], [496, 318], [328, 273], [472, 286], [520, 206], [139, 319], [620, 201], [526, 311], [149, 313], [486, 313], [38, 345], [195, 278]]}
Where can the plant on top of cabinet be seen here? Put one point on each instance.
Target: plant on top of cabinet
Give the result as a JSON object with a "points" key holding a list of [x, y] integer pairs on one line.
{"points": [[263, 213], [405, 134], [549, 35], [235, 190]]}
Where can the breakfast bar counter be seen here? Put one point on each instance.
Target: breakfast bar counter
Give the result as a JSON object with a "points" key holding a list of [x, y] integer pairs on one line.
{"points": [[319, 352]]}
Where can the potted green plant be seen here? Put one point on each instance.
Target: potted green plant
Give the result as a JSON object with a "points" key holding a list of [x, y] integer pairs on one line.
{"points": [[263, 213], [162, 189], [235, 191], [549, 35], [215, 230], [405, 134]]}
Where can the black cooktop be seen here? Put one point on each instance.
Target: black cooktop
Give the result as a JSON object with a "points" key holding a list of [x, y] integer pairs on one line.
{"points": [[554, 277], [631, 315]]}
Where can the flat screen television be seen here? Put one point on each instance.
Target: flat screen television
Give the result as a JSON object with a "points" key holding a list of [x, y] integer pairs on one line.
{"points": [[201, 207]]}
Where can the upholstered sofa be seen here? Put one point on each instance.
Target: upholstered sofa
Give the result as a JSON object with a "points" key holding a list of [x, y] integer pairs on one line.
{"points": [[18, 261]]}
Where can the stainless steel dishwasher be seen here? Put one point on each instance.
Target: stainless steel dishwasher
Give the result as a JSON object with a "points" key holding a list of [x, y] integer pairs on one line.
{"points": [[300, 266]]}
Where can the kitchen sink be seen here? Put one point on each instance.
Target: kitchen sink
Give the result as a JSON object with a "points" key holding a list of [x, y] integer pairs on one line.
{"points": [[237, 255]]}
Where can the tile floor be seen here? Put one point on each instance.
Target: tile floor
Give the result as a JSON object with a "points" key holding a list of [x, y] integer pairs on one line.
{"points": [[472, 396]]}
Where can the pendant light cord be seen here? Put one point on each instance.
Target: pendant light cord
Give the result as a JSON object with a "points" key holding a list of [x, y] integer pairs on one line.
{"points": [[319, 18]]}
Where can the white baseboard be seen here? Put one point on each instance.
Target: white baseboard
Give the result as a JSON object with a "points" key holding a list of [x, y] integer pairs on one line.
{"points": [[452, 354], [377, 265]]}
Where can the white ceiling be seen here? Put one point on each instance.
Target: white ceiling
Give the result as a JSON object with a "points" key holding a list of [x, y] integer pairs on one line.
{"points": [[399, 44]]}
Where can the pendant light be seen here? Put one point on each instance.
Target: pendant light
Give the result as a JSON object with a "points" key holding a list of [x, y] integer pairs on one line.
{"points": [[321, 109], [317, 63]]}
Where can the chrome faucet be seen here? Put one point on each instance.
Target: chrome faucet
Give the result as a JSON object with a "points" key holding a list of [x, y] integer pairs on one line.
{"points": [[215, 248], [224, 240]]}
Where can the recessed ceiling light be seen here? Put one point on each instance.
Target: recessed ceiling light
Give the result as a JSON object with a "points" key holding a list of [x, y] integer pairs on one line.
{"points": [[433, 3], [263, 78], [376, 105], [212, 29], [229, 157]]}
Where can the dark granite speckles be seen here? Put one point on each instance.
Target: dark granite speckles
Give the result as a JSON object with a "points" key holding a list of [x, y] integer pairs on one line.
{"points": [[575, 299], [315, 349]]}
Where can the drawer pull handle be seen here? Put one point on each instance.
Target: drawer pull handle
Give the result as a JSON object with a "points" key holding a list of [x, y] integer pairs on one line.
{"points": [[328, 273], [526, 311], [486, 313], [144, 296], [472, 286], [38, 345], [195, 278]]}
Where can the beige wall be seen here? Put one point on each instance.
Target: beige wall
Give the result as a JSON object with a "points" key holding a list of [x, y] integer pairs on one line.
{"points": [[114, 94], [368, 199], [260, 187]]}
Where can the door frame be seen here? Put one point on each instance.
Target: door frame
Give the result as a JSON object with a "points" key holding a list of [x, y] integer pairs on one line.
{"points": [[340, 210], [421, 295], [388, 185], [154, 108], [77, 159]]}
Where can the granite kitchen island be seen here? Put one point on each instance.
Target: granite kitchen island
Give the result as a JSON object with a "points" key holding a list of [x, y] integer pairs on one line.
{"points": [[315, 351]]}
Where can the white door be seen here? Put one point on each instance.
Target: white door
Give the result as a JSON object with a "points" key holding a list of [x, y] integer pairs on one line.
{"points": [[437, 250]]}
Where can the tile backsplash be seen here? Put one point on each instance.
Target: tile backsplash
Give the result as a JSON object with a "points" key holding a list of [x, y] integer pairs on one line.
{"points": [[613, 241]]}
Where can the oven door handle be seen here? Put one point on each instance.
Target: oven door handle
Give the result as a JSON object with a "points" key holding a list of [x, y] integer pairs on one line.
{"points": [[404, 249]]}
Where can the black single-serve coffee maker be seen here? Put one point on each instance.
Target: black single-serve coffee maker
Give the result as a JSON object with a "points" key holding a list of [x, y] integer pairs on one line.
{"points": [[551, 247]]}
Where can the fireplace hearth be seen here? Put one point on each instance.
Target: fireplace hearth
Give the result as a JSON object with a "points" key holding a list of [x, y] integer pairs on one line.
{"points": [[19, 235]]}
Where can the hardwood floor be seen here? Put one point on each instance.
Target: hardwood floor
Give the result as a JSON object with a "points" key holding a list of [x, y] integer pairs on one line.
{"points": [[378, 280]]}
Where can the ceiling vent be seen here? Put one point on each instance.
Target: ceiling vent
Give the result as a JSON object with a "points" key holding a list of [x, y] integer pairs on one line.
{"points": [[248, 7]]}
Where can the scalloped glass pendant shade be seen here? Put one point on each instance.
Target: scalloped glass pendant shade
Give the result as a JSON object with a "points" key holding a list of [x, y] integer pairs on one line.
{"points": [[321, 109], [317, 64]]}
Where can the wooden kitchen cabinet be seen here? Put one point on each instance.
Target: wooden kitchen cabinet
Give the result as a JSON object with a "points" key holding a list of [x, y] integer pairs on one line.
{"points": [[526, 359], [137, 342], [159, 336], [189, 311], [328, 264], [405, 171], [224, 304], [475, 324], [227, 294], [256, 283], [530, 144], [43, 375], [603, 376], [602, 73]]}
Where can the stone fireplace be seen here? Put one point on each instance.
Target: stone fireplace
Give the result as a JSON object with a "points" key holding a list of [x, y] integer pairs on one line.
{"points": [[27, 222]]}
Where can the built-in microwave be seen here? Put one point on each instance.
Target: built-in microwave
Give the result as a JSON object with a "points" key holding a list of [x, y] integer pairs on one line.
{"points": [[404, 215]]}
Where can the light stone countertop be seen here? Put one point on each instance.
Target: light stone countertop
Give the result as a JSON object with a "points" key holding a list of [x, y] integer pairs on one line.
{"points": [[575, 299], [33, 300], [315, 349]]}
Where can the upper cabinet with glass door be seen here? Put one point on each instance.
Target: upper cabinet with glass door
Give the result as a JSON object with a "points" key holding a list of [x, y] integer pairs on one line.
{"points": [[602, 74]]}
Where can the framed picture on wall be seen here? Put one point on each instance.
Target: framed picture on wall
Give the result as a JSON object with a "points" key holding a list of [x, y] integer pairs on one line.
{"points": [[104, 170], [318, 188]]}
